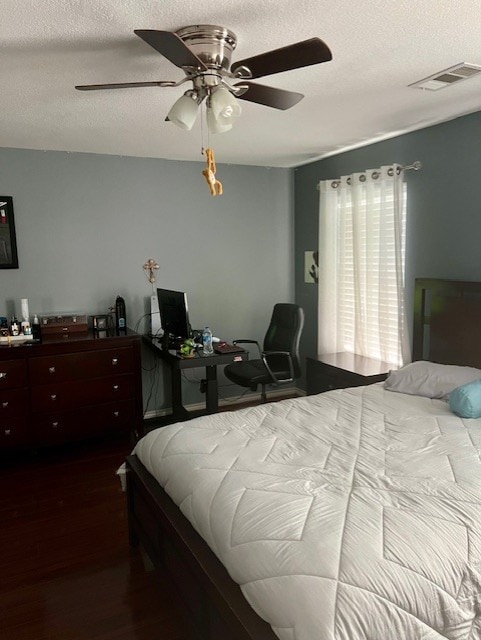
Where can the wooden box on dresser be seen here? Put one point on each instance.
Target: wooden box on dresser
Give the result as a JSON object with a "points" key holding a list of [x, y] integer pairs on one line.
{"points": [[69, 388]]}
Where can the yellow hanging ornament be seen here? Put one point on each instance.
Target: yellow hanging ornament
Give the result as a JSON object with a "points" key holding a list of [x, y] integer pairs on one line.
{"points": [[209, 173]]}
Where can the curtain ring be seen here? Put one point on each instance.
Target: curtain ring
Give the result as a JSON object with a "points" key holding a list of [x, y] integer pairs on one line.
{"points": [[362, 178], [349, 180], [390, 172], [375, 175], [335, 184]]}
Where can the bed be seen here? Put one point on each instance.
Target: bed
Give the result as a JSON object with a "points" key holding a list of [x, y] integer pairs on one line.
{"points": [[349, 515]]}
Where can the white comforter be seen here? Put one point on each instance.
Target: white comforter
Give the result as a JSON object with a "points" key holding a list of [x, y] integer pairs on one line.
{"points": [[350, 515]]}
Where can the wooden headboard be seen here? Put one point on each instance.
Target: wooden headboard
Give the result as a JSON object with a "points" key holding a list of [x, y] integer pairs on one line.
{"points": [[447, 322]]}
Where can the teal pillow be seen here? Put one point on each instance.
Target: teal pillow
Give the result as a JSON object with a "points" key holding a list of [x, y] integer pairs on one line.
{"points": [[465, 401]]}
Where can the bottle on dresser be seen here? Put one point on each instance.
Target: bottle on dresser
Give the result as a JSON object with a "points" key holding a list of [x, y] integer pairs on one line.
{"points": [[207, 347], [120, 314], [4, 330], [36, 332], [25, 325], [14, 327]]}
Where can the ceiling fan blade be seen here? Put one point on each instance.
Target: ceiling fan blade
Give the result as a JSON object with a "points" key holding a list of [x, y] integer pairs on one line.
{"points": [[171, 47], [269, 96], [294, 56], [124, 85]]}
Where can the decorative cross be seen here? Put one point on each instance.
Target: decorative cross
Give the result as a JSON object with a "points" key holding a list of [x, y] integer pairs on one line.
{"points": [[151, 269]]}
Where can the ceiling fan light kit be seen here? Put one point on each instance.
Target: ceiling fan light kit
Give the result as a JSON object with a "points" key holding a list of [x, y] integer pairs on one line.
{"points": [[183, 112], [204, 54], [222, 109], [224, 104], [216, 125]]}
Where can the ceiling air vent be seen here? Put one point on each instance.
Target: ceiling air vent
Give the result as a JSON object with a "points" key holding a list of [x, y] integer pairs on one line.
{"points": [[462, 71]]}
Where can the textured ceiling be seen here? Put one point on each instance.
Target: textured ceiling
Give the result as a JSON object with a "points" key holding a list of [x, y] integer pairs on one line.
{"points": [[362, 95]]}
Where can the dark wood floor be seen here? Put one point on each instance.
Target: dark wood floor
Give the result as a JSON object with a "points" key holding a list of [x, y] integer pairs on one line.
{"points": [[66, 570]]}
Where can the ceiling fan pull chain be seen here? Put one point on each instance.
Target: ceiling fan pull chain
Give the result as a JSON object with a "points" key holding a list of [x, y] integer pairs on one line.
{"points": [[202, 146], [203, 136]]}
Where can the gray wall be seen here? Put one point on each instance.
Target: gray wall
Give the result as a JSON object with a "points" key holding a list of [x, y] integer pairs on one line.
{"points": [[87, 223], [444, 206]]}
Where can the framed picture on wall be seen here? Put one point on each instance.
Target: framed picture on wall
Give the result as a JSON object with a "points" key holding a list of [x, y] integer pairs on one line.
{"points": [[311, 266], [8, 241]]}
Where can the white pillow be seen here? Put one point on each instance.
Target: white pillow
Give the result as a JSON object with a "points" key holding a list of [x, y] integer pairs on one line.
{"points": [[429, 379]]}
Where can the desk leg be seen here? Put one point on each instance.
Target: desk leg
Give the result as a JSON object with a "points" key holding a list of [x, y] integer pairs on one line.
{"points": [[211, 400], [178, 408]]}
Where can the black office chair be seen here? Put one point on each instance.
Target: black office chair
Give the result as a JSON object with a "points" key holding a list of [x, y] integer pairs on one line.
{"points": [[279, 361]]}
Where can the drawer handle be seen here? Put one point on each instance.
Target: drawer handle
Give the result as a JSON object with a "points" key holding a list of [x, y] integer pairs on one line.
{"points": [[8, 432], [51, 369], [53, 396], [5, 404], [115, 387], [115, 361], [54, 425], [3, 374]]}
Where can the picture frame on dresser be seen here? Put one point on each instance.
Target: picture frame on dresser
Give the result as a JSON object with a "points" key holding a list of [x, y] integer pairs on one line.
{"points": [[8, 240]]}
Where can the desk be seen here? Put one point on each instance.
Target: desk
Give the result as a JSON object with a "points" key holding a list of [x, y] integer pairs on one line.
{"points": [[177, 363]]}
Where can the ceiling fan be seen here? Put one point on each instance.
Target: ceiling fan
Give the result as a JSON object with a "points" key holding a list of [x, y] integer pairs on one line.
{"points": [[204, 53]]}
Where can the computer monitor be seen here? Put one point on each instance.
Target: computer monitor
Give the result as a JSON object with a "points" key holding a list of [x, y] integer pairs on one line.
{"points": [[174, 314]]}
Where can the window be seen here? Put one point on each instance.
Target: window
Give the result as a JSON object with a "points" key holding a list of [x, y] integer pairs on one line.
{"points": [[362, 237]]}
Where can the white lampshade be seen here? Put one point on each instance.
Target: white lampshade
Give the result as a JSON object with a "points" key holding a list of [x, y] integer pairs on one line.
{"points": [[184, 111], [224, 105], [214, 124]]}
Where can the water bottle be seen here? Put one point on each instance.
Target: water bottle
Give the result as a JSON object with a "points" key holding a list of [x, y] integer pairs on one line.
{"points": [[120, 316], [207, 347]]}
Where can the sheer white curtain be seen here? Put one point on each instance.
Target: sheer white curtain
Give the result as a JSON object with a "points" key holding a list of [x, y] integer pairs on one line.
{"points": [[362, 223]]}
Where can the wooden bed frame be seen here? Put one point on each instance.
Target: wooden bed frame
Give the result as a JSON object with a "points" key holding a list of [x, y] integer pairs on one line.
{"points": [[447, 322]]}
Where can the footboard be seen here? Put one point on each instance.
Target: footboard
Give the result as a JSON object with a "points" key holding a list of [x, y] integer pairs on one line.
{"points": [[213, 601]]}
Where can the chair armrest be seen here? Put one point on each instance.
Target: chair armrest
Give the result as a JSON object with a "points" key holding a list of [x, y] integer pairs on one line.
{"points": [[249, 342], [265, 355]]}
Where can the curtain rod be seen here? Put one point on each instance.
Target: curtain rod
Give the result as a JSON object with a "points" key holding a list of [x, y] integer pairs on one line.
{"points": [[415, 166]]}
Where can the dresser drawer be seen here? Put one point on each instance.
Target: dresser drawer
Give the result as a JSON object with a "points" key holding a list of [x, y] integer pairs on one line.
{"points": [[56, 428], [13, 403], [13, 373], [13, 432], [81, 366], [63, 396]]}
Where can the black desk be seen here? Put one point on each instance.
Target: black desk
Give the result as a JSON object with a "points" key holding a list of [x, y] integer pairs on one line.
{"points": [[177, 363]]}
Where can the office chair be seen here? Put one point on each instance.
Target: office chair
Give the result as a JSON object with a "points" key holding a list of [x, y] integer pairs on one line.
{"points": [[279, 361]]}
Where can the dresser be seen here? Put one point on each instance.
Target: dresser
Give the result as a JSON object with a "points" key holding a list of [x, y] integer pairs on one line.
{"points": [[343, 370], [67, 389]]}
